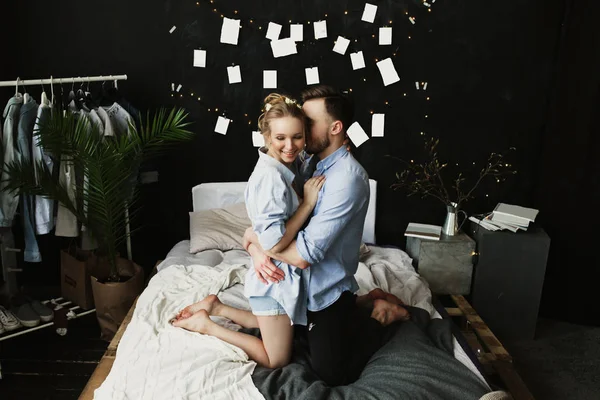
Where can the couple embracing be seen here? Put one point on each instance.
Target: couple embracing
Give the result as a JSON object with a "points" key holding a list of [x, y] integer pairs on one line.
{"points": [[307, 215]]}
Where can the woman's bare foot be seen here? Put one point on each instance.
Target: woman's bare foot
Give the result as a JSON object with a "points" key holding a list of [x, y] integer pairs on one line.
{"points": [[198, 322], [386, 312], [211, 304]]}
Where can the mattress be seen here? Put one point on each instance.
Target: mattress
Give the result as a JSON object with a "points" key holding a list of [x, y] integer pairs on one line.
{"points": [[387, 268]]}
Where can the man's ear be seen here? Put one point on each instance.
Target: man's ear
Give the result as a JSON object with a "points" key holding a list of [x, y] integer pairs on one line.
{"points": [[336, 127]]}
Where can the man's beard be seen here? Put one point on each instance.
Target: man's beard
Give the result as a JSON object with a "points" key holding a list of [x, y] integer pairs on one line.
{"points": [[315, 147]]}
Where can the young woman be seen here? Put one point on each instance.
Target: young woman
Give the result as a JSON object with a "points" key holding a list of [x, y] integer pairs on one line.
{"points": [[277, 211]]}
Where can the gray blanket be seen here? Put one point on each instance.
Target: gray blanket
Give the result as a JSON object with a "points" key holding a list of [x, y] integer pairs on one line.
{"points": [[416, 363]]}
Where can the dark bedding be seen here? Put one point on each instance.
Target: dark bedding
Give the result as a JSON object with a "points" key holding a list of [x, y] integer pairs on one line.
{"points": [[416, 363]]}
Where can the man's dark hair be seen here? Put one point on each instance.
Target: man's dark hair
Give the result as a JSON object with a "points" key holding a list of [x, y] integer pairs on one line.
{"points": [[338, 105]]}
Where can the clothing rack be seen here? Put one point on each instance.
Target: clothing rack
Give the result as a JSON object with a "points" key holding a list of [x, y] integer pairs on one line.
{"points": [[51, 80]]}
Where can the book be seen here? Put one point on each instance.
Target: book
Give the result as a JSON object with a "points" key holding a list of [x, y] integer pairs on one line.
{"points": [[484, 224], [516, 213], [423, 231]]}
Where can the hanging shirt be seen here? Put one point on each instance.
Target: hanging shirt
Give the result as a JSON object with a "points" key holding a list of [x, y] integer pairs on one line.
{"points": [[27, 117], [9, 200], [44, 207], [120, 119], [270, 202]]}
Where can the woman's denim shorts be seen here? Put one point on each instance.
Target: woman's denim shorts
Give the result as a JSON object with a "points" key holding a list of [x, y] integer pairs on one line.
{"points": [[265, 306]]}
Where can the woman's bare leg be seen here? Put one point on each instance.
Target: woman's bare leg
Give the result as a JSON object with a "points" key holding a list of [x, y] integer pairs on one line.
{"points": [[274, 351], [213, 306]]}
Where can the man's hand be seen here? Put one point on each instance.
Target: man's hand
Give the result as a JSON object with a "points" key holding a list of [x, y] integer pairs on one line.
{"points": [[266, 271]]}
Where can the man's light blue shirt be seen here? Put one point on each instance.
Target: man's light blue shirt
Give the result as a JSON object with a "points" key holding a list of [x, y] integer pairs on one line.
{"points": [[331, 241]]}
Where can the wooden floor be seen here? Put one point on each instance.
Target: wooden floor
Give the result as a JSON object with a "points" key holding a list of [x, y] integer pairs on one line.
{"points": [[43, 365]]}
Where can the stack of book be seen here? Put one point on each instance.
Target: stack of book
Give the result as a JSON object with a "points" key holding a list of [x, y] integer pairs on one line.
{"points": [[508, 216], [423, 231]]}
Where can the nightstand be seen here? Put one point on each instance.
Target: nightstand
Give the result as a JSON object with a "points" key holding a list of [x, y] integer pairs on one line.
{"points": [[447, 264], [509, 276]]}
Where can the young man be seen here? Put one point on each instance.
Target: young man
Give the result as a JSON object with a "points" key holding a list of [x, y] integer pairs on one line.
{"points": [[342, 337]]}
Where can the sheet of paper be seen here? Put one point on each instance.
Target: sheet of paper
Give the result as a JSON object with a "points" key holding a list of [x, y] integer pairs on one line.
{"points": [[273, 31], [200, 58], [179, 87], [358, 60], [341, 45], [230, 31], [235, 74], [320, 29], [283, 47], [377, 125], [257, 139], [369, 12], [357, 134], [388, 71], [297, 32], [312, 76], [172, 29], [269, 79], [385, 36], [222, 125]]}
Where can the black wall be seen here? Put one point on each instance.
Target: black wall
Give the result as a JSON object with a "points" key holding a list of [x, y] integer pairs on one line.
{"points": [[491, 69]]}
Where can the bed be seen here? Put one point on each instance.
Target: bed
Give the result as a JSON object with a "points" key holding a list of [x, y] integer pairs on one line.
{"points": [[149, 358]]}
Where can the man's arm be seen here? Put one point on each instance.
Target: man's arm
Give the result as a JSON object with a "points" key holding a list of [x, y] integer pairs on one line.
{"points": [[338, 205]]}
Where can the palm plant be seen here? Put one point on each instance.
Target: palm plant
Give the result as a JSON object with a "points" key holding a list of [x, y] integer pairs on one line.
{"points": [[109, 164]]}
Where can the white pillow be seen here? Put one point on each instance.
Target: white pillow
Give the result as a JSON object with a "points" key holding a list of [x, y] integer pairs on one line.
{"points": [[219, 228]]}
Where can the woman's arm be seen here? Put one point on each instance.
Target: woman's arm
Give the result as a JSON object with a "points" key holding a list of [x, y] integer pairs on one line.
{"points": [[295, 223]]}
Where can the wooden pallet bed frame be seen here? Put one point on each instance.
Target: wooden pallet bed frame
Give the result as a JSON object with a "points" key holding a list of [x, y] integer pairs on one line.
{"points": [[496, 361]]}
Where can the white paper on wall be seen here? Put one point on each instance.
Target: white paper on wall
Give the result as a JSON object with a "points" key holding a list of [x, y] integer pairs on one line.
{"points": [[297, 32], [385, 36], [388, 71], [358, 60], [257, 139], [200, 58], [357, 134], [179, 87], [235, 74], [172, 29], [273, 31], [230, 31], [369, 13], [341, 45], [320, 29], [377, 125], [222, 125], [312, 76], [269, 79], [283, 47]]}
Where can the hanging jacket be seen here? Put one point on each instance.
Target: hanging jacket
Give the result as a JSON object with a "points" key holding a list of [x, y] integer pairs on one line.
{"points": [[44, 207], [66, 221], [27, 117], [9, 201]]}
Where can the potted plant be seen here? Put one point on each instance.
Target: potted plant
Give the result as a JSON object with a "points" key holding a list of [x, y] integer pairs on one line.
{"points": [[106, 200], [430, 179]]}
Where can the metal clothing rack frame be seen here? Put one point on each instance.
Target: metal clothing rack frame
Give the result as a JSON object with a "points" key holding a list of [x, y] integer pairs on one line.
{"points": [[51, 81]]}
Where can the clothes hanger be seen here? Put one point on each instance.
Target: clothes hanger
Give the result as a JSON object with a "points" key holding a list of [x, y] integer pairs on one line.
{"points": [[26, 96], [72, 98], [43, 98], [52, 91]]}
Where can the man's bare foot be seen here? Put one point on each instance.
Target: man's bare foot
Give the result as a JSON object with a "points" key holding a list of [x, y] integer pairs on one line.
{"points": [[386, 312], [211, 304], [380, 294], [376, 294], [198, 322]]}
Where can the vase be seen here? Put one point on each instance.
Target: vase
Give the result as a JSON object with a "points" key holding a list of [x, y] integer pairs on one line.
{"points": [[451, 226]]}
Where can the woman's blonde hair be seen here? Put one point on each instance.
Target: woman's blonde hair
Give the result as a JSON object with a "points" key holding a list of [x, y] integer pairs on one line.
{"points": [[278, 106]]}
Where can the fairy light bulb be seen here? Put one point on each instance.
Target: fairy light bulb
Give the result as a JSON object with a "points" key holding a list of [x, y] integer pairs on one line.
{"points": [[346, 12]]}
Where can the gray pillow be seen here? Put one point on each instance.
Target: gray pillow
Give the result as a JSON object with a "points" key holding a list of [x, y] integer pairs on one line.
{"points": [[219, 228]]}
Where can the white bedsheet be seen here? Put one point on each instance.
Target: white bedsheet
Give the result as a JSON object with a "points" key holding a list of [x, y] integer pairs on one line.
{"points": [[157, 361]]}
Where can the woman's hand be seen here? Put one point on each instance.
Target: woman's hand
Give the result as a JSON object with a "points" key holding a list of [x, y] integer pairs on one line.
{"points": [[311, 190]]}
